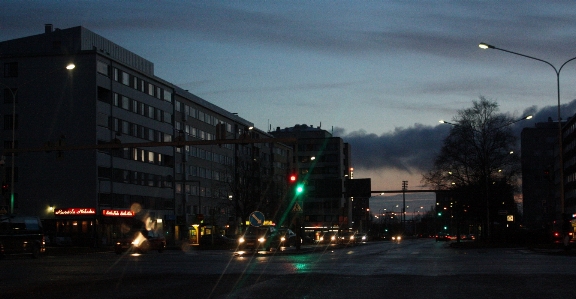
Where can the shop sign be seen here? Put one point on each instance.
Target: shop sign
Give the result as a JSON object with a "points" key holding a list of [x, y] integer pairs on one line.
{"points": [[118, 213], [74, 211]]}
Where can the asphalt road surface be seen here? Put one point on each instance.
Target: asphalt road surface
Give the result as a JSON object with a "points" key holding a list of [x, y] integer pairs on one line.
{"points": [[408, 269]]}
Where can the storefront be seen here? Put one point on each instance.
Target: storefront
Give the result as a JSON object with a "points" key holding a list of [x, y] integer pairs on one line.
{"points": [[72, 227]]}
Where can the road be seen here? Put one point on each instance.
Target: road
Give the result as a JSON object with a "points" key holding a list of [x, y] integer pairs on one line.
{"points": [[408, 269]]}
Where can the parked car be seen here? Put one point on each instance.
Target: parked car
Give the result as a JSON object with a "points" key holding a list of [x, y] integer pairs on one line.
{"points": [[21, 235], [141, 242]]}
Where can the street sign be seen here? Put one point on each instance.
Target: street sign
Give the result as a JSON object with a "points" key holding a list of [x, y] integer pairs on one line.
{"points": [[256, 218], [296, 208]]}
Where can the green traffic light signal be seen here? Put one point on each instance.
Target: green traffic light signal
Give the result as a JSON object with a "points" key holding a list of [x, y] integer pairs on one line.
{"points": [[299, 189]]}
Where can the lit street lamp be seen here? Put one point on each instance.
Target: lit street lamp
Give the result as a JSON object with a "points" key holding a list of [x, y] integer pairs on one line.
{"points": [[69, 67], [560, 149]]}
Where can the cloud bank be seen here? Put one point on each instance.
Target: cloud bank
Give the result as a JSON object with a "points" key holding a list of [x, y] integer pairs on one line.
{"points": [[415, 148]]}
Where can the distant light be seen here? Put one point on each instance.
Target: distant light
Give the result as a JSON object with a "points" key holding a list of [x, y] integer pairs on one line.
{"points": [[70, 66]]}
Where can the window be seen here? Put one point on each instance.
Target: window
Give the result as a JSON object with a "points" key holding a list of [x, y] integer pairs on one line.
{"points": [[125, 103], [102, 68], [167, 96], [125, 78], [103, 95], [125, 127], [150, 112], [151, 134], [150, 89], [11, 69]]}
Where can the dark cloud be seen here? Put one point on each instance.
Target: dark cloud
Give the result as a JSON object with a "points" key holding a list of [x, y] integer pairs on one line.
{"points": [[403, 149], [415, 148]]}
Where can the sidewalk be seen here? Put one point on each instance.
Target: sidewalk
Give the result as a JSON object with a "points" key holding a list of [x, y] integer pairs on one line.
{"points": [[551, 248]]}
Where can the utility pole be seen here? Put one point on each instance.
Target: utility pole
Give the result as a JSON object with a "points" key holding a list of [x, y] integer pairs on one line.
{"points": [[404, 187]]}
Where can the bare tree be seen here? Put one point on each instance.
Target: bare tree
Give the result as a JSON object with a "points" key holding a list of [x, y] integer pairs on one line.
{"points": [[477, 158]]}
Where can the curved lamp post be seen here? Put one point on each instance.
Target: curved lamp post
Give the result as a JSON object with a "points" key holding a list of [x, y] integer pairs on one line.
{"points": [[69, 67], [560, 148]]}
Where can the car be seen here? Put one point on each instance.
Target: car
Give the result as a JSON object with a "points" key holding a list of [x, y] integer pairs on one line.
{"points": [[21, 235], [287, 237], [256, 237], [329, 237], [140, 242], [396, 238], [347, 238], [361, 238], [442, 237]]}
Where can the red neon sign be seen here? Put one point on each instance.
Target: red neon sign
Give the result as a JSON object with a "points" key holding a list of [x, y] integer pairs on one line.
{"points": [[118, 213], [74, 211]]}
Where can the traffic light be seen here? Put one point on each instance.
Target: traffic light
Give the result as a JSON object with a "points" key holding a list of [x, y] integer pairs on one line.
{"points": [[5, 189], [292, 179], [299, 189]]}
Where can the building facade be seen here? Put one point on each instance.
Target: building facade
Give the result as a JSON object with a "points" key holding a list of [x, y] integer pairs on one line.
{"points": [[539, 187], [322, 164], [120, 126]]}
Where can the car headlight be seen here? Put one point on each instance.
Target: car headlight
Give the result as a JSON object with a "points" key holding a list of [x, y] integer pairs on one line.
{"points": [[333, 238], [262, 240], [351, 237], [241, 240], [283, 239]]}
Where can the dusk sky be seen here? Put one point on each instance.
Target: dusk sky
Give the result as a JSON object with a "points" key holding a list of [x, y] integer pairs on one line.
{"points": [[379, 74]]}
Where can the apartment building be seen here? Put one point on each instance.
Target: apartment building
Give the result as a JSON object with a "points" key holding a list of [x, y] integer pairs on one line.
{"points": [[113, 116]]}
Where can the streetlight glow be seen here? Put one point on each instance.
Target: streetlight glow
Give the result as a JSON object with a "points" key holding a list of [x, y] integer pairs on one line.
{"points": [[560, 146], [485, 46]]}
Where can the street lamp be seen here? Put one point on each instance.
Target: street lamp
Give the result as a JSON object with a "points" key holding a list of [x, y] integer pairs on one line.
{"points": [[69, 67], [560, 148]]}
